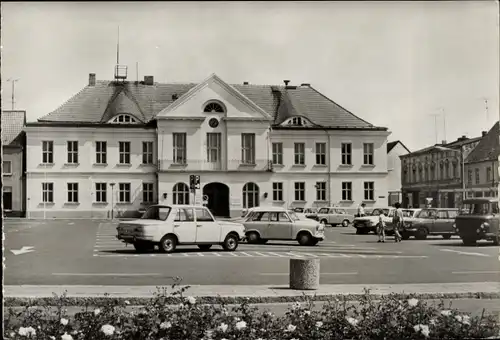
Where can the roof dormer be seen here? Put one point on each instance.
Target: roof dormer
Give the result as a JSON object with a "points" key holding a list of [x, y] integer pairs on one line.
{"points": [[297, 121], [124, 118]]}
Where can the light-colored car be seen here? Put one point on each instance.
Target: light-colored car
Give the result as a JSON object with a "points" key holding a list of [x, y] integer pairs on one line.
{"points": [[275, 223], [431, 221], [368, 223], [311, 213], [170, 226], [409, 216], [334, 216]]}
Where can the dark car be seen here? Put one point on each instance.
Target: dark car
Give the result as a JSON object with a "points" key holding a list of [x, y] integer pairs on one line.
{"points": [[431, 221], [479, 220]]}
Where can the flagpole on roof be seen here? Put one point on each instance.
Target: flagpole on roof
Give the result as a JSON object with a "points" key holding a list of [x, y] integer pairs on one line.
{"points": [[118, 47]]}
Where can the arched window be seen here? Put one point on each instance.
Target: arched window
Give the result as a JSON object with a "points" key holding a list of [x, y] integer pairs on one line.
{"points": [[181, 194], [123, 119], [250, 195], [213, 107]]}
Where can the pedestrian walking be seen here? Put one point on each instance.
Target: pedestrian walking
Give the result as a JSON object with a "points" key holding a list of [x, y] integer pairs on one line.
{"points": [[397, 222], [381, 227], [361, 210]]}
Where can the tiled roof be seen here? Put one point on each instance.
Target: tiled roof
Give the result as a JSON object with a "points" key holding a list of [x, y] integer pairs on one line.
{"points": [[488, 148], [99, 103], [392, 145], [460, 142], [12, 125]]}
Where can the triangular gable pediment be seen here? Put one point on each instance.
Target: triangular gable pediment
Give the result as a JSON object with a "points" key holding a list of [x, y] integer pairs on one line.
{"points": [[214, 89]]}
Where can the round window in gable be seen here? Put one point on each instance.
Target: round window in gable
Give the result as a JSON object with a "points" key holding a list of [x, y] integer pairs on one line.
{"points": [[213, 122], [213, 107]]}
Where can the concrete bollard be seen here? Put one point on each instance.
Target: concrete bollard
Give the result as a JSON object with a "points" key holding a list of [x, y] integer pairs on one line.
{"points": [[304, 274]]}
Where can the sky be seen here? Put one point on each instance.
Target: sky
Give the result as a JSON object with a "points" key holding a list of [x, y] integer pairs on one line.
{"points": [[395, 64]]}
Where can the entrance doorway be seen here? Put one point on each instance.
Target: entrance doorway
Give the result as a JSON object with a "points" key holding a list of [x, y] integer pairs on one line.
{"points": [[7, 198], [218, 198]]}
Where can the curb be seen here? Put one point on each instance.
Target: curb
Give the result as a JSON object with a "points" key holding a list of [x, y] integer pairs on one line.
{"points": [[172, 300]]}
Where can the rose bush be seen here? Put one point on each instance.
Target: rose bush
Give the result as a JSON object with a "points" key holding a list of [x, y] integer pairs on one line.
{"points": [[388, 318]]}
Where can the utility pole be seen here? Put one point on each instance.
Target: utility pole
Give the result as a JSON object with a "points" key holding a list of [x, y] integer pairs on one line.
{"points": [[13, 81]]}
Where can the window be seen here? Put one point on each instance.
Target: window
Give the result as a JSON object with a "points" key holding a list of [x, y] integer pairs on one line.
{"points": [[213, 147], [441, 171], [368, 153], [278, 153], [261, 216], [320, 153], [148, 192], [124, 119], [469, 176], [488, 174], [213, 107], [124, 192], [72, 192], [346, 153], [300, 191], [250, 195], [369, 191], [320, 191], [346, 191], [184, 215], [156, 213], [279, 217], [203, 215], [432, 175], [180, 194], [477, 176], [179, 148], [101, 152], [299, 151], [124, 150], [446, 170], [48, 192], [248, 148], [72, 147], [101, 192], [277, 191], [147, 152], [455, 170], [47, 152], [7, 167], [323, 211]]}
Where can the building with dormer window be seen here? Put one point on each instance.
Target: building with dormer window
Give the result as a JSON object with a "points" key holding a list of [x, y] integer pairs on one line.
{"points": [[118, 146]]}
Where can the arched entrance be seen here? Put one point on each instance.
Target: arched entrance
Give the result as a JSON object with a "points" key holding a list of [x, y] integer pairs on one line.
{"points": [[218, 198], [250, 195]]}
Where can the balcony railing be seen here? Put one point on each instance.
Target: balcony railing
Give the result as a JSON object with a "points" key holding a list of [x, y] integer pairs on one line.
{"points": [[223, 165]]}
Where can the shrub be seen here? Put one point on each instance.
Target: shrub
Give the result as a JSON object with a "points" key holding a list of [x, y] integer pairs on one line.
{"points": [[388, 318]]}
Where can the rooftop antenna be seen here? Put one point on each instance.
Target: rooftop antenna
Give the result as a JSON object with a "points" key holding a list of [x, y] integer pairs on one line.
{"points": [[120, 70], [435, 125], [118, 47], [13, 81], [486, 108], [137, 70], [444, 122]]}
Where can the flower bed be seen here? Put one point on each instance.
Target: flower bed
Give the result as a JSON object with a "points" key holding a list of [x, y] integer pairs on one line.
{"points": [[390, 318]]}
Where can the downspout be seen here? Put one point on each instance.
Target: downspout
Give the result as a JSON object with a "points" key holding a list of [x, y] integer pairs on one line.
{"points": [[329, 168]]}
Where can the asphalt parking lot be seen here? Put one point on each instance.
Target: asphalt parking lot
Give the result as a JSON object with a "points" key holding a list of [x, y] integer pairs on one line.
{"points": [[74, 252]]}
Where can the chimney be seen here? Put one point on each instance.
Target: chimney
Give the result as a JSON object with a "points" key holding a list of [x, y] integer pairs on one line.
{"points": [[91, 79], [443, 142], [174, 96], [286, 82], [305, 84], [148, 80], [484, 133], [245, 83]]}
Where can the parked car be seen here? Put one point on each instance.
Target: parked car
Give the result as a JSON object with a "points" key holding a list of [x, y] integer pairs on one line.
{"points": [[274, 223], [334, 216], [368, 223], [170, 226], [311, 213], [409, 215], [479, 220], [431, 221]]}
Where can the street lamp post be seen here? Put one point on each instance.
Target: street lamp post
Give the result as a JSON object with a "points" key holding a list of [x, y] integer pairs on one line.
{"points": [[112, 196]]}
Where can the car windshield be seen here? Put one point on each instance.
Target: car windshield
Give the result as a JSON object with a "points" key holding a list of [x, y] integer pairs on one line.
{"points": [[157, 213], [479, 208], [377, 212], [293, 216]]}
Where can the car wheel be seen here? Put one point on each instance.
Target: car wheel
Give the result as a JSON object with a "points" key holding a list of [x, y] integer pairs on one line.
{"points": [[469, 241], [168, 244], [304, 239], [204, 246], [142, 247], [345, 223], [323, 221], [230, 243], [314, 242], [421, 234], [446, 236], [405, 235], [253, 237], [496, 240]]}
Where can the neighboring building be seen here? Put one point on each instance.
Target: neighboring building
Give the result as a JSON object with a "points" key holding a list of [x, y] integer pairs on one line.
{"points": [[435, 174], [394, 151], [251, 145], [13, 163], [481, 166]]}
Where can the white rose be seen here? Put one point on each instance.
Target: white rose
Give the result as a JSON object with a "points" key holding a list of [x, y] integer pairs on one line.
{"points": [[223, 327], [424, 329], [66, 336], [27, 331], [97, 311], [352, 321], [64, 321], [191, 300], [291, 328], [319, 324], [446, 312], [165, 325], [413, 302], [22, 331], [241, 325], [108, 329], [465, 319]]}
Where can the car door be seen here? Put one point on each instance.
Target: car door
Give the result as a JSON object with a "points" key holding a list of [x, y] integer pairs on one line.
{"points": [[260, 222], [207, 229], [323, 214], [447, 221], [185, 225], [280, 226]]}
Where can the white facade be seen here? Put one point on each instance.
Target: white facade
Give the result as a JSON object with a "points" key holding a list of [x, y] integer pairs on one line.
{"points": [[394, 182]]}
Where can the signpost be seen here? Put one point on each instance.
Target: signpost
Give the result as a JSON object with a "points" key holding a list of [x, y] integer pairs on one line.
{"points": [[194, 184], [205, 200]]}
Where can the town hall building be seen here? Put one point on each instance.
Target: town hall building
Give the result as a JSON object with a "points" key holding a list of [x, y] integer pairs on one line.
{"points": [[118, 146]]}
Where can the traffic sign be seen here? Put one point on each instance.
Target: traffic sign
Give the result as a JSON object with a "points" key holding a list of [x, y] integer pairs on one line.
{"points": [[205, 197]]}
